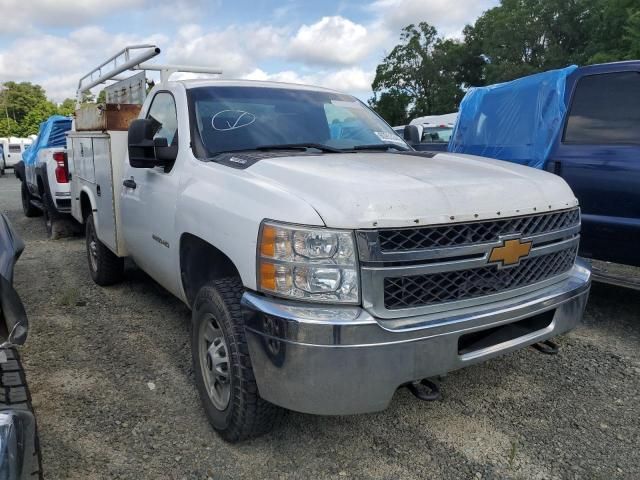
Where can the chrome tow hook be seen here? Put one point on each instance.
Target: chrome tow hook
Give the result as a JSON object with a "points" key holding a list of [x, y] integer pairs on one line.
{"points": [[425, 390]]}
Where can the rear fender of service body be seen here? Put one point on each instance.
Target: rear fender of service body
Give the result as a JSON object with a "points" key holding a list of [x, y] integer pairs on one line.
{"points": [[87, 195]]}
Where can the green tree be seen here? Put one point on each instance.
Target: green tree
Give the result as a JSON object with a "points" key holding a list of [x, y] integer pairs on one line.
{"points": [[20, 98], [8, 128], [615, 31], [521, 37], [632, 34], [39, 113], [393, 106], [67, 107], [423, 68], [27, 106]]}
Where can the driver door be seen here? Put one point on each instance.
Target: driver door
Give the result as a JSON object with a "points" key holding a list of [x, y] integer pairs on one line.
{"points": [[148, 203]]}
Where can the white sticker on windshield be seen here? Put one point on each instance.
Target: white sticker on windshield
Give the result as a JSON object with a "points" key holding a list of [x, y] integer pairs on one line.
{"points": [[346, 104], [231, 119], [389, 137]]}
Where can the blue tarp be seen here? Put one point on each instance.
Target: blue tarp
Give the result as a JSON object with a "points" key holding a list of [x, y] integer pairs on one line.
{"points": [[516, 121], [52, 134]]}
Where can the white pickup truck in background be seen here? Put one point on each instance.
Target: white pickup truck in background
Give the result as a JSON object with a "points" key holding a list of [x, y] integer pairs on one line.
{"points": [[44, 173], [326, 262]]}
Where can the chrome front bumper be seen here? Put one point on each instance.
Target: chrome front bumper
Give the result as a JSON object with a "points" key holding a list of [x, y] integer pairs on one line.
{"points": [[332, 360]]}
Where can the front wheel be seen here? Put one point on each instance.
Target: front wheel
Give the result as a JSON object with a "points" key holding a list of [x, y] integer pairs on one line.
{"points": [[222, 367], [106, 267]]}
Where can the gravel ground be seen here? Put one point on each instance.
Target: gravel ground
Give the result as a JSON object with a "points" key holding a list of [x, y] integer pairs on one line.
{"points": [[110, 374]]}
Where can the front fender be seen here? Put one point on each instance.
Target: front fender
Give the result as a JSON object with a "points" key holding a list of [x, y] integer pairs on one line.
{"points": [[225, 207]]}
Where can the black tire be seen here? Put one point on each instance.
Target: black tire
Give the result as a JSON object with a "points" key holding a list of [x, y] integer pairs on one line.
{"points": [[49, 214], [16, 398], [28, 208], [246, 415], [106, 268]]}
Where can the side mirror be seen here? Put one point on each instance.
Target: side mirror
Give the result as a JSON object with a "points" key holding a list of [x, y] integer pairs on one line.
{"points": [[144, 150], [412, 134]]}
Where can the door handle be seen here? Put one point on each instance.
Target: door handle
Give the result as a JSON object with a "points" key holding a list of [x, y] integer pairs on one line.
{"points": [[130, 183]]}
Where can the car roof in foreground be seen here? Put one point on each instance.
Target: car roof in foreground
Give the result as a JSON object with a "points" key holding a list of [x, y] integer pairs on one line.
{"points": [[196, 83]]}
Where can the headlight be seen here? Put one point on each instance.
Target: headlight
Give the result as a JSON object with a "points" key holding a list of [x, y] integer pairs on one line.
{"points": [[315, 264]]}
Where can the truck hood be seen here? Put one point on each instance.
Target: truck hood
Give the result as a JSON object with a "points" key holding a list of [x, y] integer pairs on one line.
{"points": [[372, 189]]}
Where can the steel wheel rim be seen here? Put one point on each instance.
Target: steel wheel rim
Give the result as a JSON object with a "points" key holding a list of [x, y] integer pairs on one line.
{"points": [[214, 362], [93, 250]]}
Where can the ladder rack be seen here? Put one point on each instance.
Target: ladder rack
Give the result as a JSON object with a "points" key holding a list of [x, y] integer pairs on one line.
{"points": [[132, 58]]}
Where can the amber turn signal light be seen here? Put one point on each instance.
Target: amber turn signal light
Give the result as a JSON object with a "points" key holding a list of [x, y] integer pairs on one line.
{"points": [[268, 241], [268, 276]]}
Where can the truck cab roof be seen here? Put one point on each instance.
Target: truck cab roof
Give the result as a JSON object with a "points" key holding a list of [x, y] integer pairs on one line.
{"points": [[606, 67], [209, 82]]}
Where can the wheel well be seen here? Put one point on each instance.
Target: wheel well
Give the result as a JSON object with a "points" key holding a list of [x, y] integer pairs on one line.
{"points": [[201, 262], [40, 186], [85, 205]]}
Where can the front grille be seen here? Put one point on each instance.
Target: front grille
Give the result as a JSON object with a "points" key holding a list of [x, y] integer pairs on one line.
{"points": [[436, 288], [476, 232]]}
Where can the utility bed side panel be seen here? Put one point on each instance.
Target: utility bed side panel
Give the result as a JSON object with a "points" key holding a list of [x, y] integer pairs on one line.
{"points": [[104, 192], [96, 163], [119, 146], [83, 152], [81, 168], [73, 183]]}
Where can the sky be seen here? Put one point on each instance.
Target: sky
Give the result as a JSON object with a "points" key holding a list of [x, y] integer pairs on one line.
{"points": [[331, 43]]}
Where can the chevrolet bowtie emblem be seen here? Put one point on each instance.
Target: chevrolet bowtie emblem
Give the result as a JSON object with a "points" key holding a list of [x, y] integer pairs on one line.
{"points": [[510, 253]]}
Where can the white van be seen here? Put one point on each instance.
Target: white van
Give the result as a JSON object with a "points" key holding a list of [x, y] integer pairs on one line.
{"points": [[13, 148]]}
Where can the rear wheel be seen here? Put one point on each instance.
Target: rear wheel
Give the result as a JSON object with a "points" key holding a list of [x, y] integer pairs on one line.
{"points": [[222, 367], [28, 208], [106, 268]]}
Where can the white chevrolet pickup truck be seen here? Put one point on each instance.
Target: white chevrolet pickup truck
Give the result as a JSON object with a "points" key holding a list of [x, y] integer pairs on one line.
{"points": [[326, 263], [43, 172]]}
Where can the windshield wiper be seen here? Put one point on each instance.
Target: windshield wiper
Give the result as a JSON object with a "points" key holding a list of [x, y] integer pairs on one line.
{"points": [[300, 146], [381, 147]]}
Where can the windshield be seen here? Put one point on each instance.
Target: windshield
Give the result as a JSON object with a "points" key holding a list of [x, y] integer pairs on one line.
{"points": [[246, 118]]}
